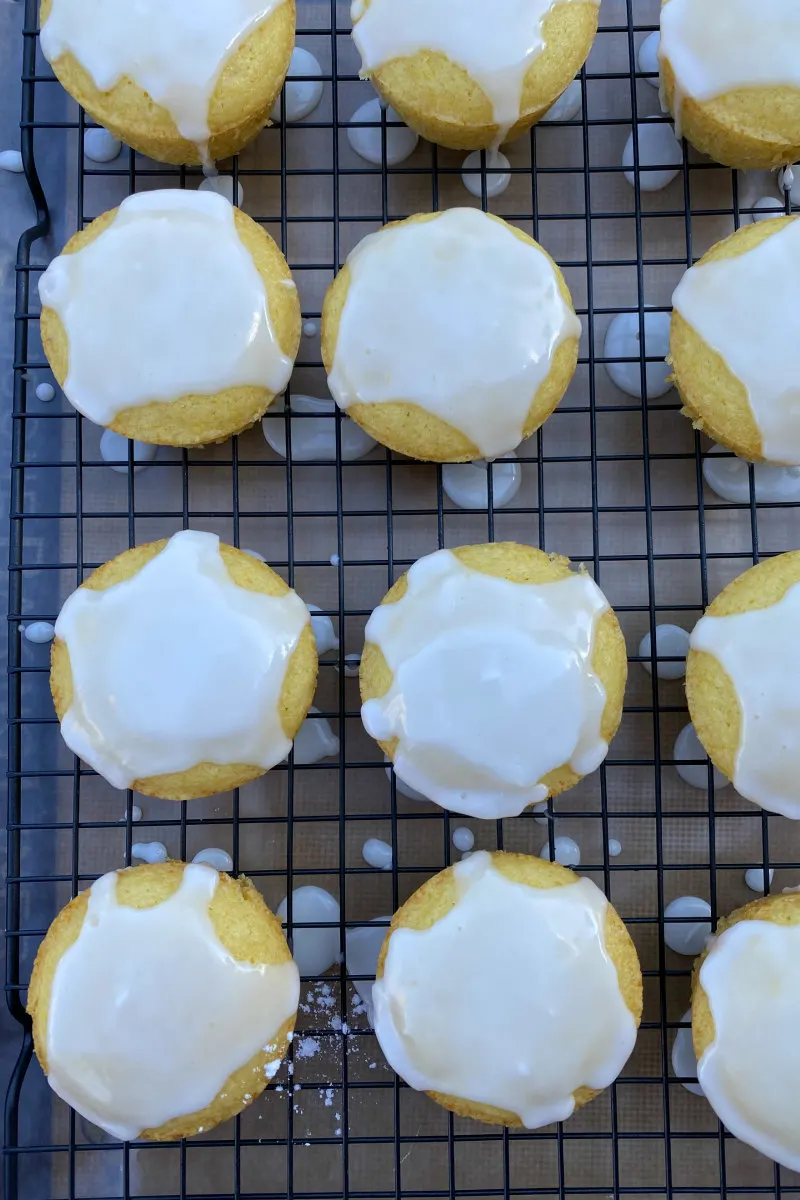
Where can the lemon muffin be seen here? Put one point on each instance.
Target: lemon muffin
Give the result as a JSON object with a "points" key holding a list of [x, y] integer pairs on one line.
{"points": [[743, 683], [735, 328], [449, 336], [469, 75], [172, 319], [509, 990], [183, 668], [493, 677], [745, 1014], [179, 80], [163, 999], [730, 76]]}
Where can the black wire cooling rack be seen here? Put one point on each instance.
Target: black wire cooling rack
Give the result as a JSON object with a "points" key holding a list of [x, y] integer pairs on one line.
{"points": [[609, 480]]}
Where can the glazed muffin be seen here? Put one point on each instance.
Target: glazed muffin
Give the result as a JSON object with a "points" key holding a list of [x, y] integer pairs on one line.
{"points": [[172, 319], [183, 668], [730, 76], [734, 330], [181, 82], [467, 76], [745, 1012], [163, 999], [509, 990], [493, 677], [743, 683], [450, 336]]}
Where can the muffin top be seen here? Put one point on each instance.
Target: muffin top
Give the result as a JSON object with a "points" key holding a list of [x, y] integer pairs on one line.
{"points": [[510, 984], [168, 294], [174, 50], [495, 46], [481, 686], [458, 314], [177, 664]]}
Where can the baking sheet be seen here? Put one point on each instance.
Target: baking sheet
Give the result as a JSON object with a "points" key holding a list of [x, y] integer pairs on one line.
{"points": [[606, 481]]}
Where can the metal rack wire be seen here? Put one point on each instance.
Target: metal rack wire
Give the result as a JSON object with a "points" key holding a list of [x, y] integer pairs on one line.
{"points": [[610, 480]]}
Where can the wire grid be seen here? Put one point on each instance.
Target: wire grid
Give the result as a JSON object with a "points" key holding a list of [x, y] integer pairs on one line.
{"points": [[609, 480]]}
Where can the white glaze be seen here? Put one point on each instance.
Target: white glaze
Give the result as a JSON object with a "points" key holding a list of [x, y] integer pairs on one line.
{"points": [[145, 642], [467, 484], [315, 740], [314, 433], [463, 838], [322, 628], [352, 666], [492, 685], [720, 46], [543, 814], [749, 1072], [567, 852], [174, 52], [368, 141], [222, 185], [623, 341], [688, 748], [744, 309], [467, 330], [377, 854], [150, 852], [313, 949], [101, 146], [39, 632], [614, 848], [172, 289], [760, 653], [729, 477], [767, 207], [660, 156], [260, 557], [362, 949], [647, 58], [671, 642], [149, 1013], [11, 160], [496, 52], [220, 860], [684, 1061], [496, 174], [755, 878], [533, 958], [567, 106], [682, 936], [403, 789], [114, 450], [45, 392], [302, 95]]}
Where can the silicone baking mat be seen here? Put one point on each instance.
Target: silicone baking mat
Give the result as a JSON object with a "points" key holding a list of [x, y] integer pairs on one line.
{"points": [[609, 480]]}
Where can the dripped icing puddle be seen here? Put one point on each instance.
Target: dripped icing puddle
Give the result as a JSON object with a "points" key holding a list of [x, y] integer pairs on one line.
{"points": [[11, 160], [688, 746], [314, 950], [687, 937], [315, 740], [467, 484], [660, 156], [671, 642], [114, 450], [497, 174], [302, 95], [362, 950], [377, 854], [324, 633], [729, 477], [45, 392], [766, 207], [567, 852], [222, 185], [647, 58], [150, 852], [614, 848], [101, 146], [214, 857], [567, 106], [756, 878], [313, 432], [623, 342], [368, 142], [38, 632], [684, 1061], [404, 789], [463, 838]]}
